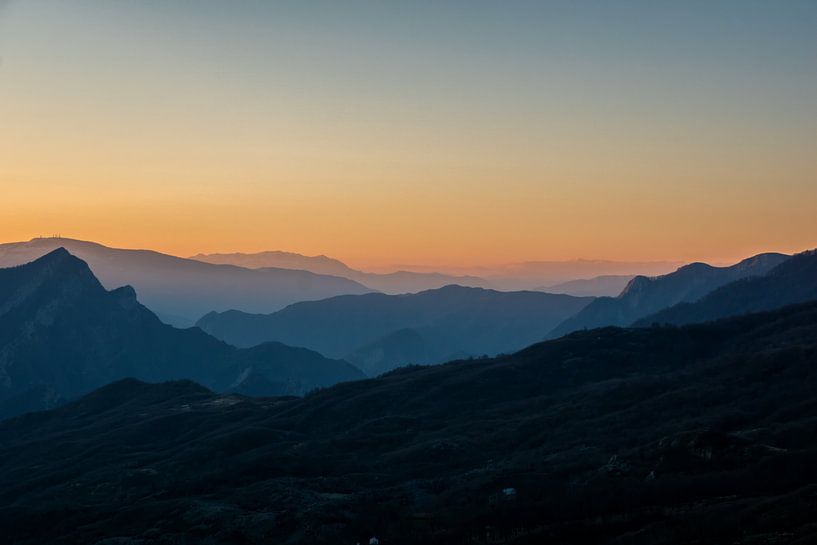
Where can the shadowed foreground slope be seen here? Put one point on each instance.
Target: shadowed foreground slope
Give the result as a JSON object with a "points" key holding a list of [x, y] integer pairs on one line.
{"points": [[702, 434]]}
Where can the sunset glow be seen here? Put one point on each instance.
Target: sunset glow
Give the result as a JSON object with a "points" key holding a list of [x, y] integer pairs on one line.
{"points": [[509, 131]]}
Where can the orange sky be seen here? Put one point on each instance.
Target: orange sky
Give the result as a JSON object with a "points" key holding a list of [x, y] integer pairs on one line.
{"points": [[126, 128]]}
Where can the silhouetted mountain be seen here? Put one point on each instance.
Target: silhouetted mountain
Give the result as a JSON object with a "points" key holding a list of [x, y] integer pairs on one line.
{"points": [[793, 281], [182, 290], [644, 296], [392, 283], [599, 286], [62, 334], [701, 434], [450, 320]]}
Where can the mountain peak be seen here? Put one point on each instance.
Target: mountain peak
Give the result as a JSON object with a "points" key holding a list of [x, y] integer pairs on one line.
{"points": [[59, 257], [765, 261], [635, 285], [55, 256], [58, 264], [64, 265], [695, 267]]}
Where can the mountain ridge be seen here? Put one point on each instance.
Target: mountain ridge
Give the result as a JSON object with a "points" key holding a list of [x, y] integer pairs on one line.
{"points": [[792, 281], [393, 283], [645, 295], [696, 434], [450, 320], [62, 334], [186, 289]]}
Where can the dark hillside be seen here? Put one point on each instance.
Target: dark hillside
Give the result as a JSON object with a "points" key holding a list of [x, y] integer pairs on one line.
{"points": [[700, 434]]}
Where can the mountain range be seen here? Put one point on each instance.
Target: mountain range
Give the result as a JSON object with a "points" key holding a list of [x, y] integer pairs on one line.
{"points": [[793, 281], [581, 277], [644, 296], [378, 332], [534, 274], [62, 335], [698, 434], [182, 290], [393, 282], [319, 264]]}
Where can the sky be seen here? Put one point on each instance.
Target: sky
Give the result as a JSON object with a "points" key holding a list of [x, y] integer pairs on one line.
{"points": [[435, 132]]}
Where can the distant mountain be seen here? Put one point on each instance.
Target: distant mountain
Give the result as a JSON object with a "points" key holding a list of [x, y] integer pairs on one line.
{"points": [[535, 274], [600, 286], [644, 296], [319, 264], [379, 331], [793, 281], [701, 434], [62, 334], [399, 282], [182, 290], [392, 283]]}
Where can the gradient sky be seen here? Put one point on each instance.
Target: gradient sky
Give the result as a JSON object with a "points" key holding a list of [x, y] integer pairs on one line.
{"points": [[417, 131]]}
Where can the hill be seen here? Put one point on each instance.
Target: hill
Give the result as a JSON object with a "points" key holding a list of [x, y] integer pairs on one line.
{"points": [[62, 334], [535, 274], [392, 282], [644, 296], [319, 264], [446, 322], [701, 434], [182, 290], [793, 281]]}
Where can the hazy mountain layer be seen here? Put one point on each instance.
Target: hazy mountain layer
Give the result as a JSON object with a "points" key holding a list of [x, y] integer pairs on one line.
{"points": [[182, 290], [534, 274], [392, 283], [448, 322], [600, 286], [62, 334], [580, 277], [644, 296], [703, 434], [319, 264]]}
